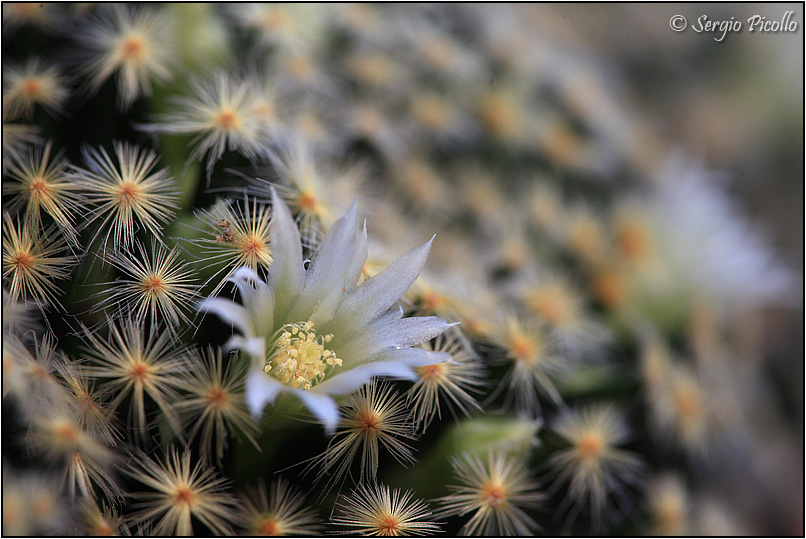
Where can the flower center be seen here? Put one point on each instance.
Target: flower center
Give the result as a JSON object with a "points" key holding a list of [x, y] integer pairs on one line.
{"points": [[439, 53], [687, 402], [434, 301], [523, 349], [183, 496], [300, 68], [369, 122], [38, 187], [309, 126], [671, 515], [269, 527], [431, 372], [298, 356], [633, 242], [128, 192], [499, 115], [585, 237], [42, 506], [493, 494], [32, 88], [590, 446], [265, 110], [389, 525], [552, 305], [153, 285], [308, 202], [139, 371], [610, 288], [132, 48], [431, 113], [67, 434], [273, 20], [103, 529], [251, 248], [369, 422], [22, 261], [217, 398], [227, 119]]}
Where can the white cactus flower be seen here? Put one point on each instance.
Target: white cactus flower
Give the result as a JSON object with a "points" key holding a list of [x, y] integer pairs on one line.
{"points": [[313, 330]]}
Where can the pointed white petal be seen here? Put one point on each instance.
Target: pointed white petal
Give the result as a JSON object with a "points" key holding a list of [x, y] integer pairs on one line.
{"points": [[326, 279], [257, 297], [394, 334], [332, 257], [261, 389], [395, 313], [247, 282], [323, 407], [394, 364], [347, 382], [376, 295], [230, 312], [415, 357], [286, 272], [359, 258], [255, 347]]}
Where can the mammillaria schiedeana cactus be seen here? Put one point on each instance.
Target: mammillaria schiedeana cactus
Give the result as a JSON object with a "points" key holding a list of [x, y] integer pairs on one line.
{"points": [[283, 269]]}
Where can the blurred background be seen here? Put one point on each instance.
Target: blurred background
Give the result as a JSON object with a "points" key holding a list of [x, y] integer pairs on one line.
{"points": [[737, 105]]}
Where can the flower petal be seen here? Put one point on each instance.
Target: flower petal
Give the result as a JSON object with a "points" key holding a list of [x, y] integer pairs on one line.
{"points": [[379, 293], [391, 334], [415, 357], [255, 347], [357, 263], [257, 297], [323, 407], [326, 279], [286, 272], [398, 365], [230, 312], [261, 389]]}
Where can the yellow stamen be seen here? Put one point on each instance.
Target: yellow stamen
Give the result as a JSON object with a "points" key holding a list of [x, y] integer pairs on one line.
{"points": [[299, 358]]}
